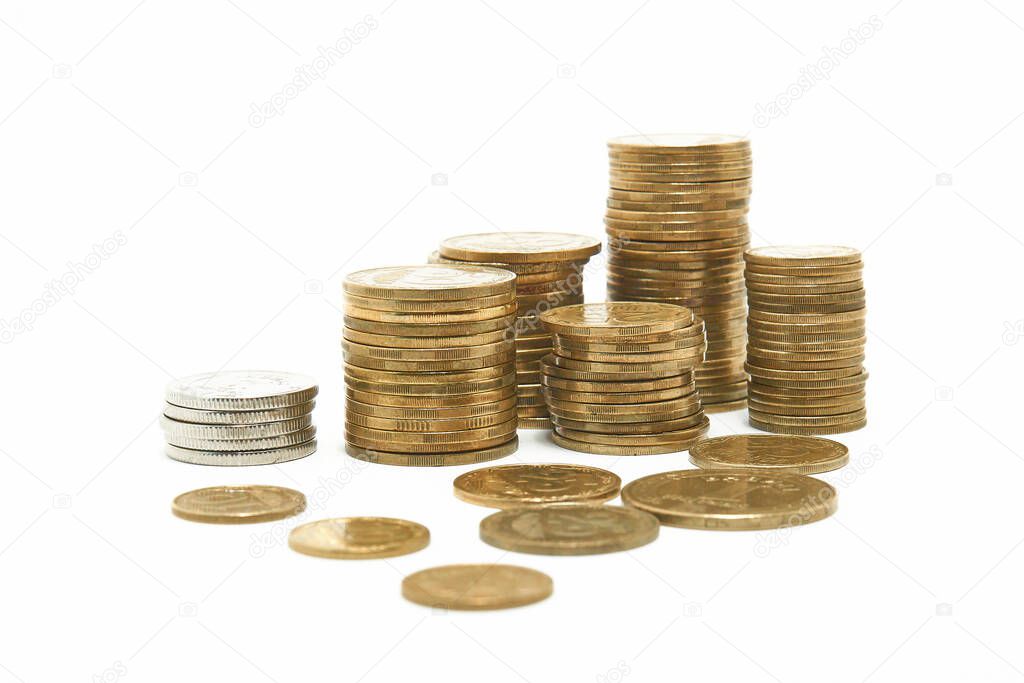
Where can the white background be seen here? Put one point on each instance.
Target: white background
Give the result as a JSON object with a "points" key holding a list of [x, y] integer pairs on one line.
{"points": [[132, 122]]}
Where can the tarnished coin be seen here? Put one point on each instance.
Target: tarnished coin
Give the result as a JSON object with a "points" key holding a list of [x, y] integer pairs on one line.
{"points": [[797, 454], [436, 281], [237, 417], [476, 586], [731, 499], [470, 457], [620, 319], [271, 456], [510, 486], [358, 538], [241, 390], [569, 529], [238, 504], [520, 247]]}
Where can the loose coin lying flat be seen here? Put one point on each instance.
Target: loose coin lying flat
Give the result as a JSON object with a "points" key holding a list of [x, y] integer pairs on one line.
{"points": [[511, 486], [569, 529], [241, 390], [238, 504], [355, 538], [731, 499], [476, 586], [797, 454]]}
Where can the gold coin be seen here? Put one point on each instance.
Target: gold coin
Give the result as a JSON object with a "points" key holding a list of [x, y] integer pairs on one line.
{"points": [[511, 486], [688, 356], [725, 406], [526, 422], [731, 499], [701, 204], [636, 397], [559, 276], [801, 365], [680, 143], [802, 309], [449, 329], [426, 343], [804, 255], [795, 454], [759, 280], [435, 282], [429, 306], [528, 377], [389, 436], [853, 270], [564, 346], [435, 401], [238, 504], [614, 419], [358, 538], [430, 413], [470, 457], [809, 430], [429, 393], [569, 529], [381, 446], [810, 376], [616, 176], [478, 315], [729, 188], [616, 319], [625, 369], [678, 436], [805, 421], [605, 449], [404, 354], [421, 366], [625, 408], [431, 425], [807, 411], [780, 290], [476, 586], [684, 217], [774, 393], [520, 247], [677, 424], [548, 367], [764, 346], [533, 412], [439, 380]]}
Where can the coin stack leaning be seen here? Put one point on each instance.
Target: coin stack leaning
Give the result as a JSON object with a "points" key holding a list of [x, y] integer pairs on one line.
{"points": [[549, 266], [430, 365], [620, 380], [248, 417], [806, 347], [677, 228]]}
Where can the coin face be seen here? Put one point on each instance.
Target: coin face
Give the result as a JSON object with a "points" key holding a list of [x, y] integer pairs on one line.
{"points": [[355, 538], [238, 504], [805, 254], [520, 247], [511, 486], [731, 499], [569, 529], [476, 586], [797, 454], [241, 390], [660, 141], [432, 281], [617, 318]]}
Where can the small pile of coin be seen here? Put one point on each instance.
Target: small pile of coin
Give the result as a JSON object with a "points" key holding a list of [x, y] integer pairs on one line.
{"points": [[430, 364], [549, 269], [249, 417], [806, 347], [620, 380], [677, 227]]}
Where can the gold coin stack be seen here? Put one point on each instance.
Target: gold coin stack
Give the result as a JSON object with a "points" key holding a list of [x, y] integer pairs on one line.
{"points": [[549, 269], [620, 380], [677, 227], [806, 347], [430, 365]]}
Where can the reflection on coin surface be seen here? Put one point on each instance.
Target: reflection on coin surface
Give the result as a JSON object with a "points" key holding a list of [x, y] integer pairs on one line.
{"points": [[356, 538], [731, 499], [617, 319], [476, 586], [238, 504], [241, 390], [520, 247], [569, 529], [509, 486], [796, 454], [439, 282]]}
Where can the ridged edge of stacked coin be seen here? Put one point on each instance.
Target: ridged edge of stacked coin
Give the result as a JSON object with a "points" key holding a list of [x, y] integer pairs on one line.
{"points": [[430, 365], [806, 335]]}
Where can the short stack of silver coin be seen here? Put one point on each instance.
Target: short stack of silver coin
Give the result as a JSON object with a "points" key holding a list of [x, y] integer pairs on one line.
{"points": [[249, 417]]}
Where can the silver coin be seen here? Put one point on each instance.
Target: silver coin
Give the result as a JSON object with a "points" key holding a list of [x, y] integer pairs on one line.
{"points": [[242, 458], [237, 417], [280, 441], [220, 432], [241, 390]]}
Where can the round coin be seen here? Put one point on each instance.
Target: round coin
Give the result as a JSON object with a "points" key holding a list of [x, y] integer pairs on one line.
{"points": [[241, 390], [473, 457], [520, 247], [237, 417], [270, 456], [238, 504], [611, 319], [796, 454], [433, 281], [567, 529], [476, 586], [358, 538], [510, 486], [804, 255]]}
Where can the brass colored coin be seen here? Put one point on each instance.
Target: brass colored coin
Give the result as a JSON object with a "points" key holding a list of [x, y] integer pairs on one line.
{"points": [[477, 315], [421, 366], [761, 390], [725, 406], [731, 189], [636, 397], [476, 586], [528, 377], [546, 267], [428, 393], [425, 343], [616, 319], [795, 454], [431, 401], [617, 177], [679, 143], [690, 357], [564, 347], [801, 365], [687, 422], [596, 409], [671, 186], [548, 367], [781, 290], [772, 347], [388, 436], [804, 255], [804, 421], [449, 329], [570, 271], [811, 376], [438, 354], [431, 425], [385, 445], [809, 430], [605, 449], [430, 306], [569, 529], [513, 486], [698, 204], [731, 499], [804, 399], [803, 274], [534, 422], [819, 309], [769, 280], [625, 369], [434, 282], [358, 538], [520, 247], [533, 412], [238, 504], [472, 457], [679, 436], [615, 419], [433, 379], [807, 411], [430, 413]]}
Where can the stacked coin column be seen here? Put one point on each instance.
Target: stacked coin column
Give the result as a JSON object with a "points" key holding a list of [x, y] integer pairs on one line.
{"points": [[429, 365], [620, 380], [807, 331], [677, 227], [549, 268]]}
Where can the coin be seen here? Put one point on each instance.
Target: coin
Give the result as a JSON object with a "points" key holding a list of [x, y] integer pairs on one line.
{"points": [[569, 529], [438, 329], [265, 430], [434, 282], [431, 425], [616, 319], [804, 255], [270, 456], [430, 306], [527, 422], [430, 412], [605, 449], [809, 429], [241, 390], [520, 247], [476, 586], [679, 143], [795, 454], [435, 459], [357, 538], [238, 504], [510, 486], [237, 417], [655, 427], [438, 401], [731, 499]]}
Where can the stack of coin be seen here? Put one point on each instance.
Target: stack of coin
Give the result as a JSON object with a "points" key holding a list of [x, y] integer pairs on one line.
{"points": [[807, 331], [677, 227], [247, 417], [549, 266], [620, 380], [430, 364]]}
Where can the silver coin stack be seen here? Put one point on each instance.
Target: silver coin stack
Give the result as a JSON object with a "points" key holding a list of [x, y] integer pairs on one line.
{"points": [[245, 417]]}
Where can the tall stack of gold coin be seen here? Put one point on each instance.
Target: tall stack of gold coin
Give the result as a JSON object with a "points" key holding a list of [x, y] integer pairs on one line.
{"points": [[549, 268], [430, 365], [620, 380], [677, 227], [807, 331]]}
